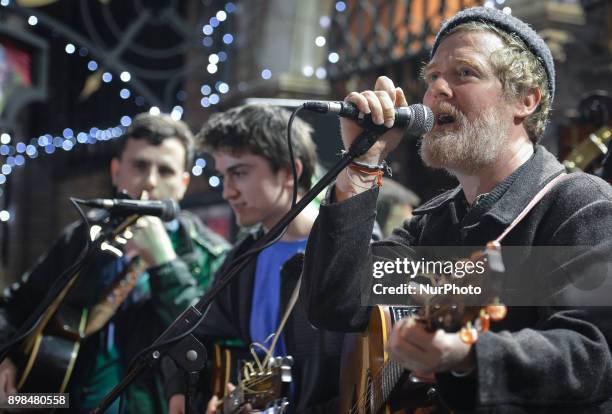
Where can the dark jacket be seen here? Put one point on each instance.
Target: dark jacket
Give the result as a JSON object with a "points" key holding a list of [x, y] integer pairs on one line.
{"points": [[171, 288], [316, 352], [541, 358]]}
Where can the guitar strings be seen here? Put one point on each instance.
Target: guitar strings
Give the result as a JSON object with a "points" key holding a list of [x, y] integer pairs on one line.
{"points": [[263, 368], [380, 381]]}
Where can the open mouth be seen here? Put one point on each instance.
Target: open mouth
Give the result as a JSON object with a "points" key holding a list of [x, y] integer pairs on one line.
{"points": [[444, 119]]}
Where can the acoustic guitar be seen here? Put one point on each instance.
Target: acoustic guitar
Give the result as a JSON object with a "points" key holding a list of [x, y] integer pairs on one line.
{"points": [[50, 351], [371, 383]]}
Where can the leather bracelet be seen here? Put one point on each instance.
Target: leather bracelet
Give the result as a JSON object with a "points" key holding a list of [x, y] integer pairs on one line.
{"points": [[376, 173], [372, 167]]}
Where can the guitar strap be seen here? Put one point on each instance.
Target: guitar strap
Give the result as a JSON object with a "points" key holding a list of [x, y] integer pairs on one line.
{"points": [[292, 301], [551, 184], [104, 310]]}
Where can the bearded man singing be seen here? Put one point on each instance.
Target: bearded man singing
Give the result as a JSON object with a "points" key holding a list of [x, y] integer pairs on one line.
{"points": [[490, 84]]}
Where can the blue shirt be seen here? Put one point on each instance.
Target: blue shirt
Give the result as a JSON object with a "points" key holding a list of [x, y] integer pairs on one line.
{"points": [[265, 309]]}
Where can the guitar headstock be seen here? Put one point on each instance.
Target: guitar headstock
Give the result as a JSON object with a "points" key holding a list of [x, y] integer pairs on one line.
{"points": [[458, 312], [112, 231], [262, 390], [591, 149]]}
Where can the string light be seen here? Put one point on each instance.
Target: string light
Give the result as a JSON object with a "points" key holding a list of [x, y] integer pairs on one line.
{"points": [[214, 181], [17, 155], [5, 215], [308, 71], [196, 170], [215, 58], [177, 113]]}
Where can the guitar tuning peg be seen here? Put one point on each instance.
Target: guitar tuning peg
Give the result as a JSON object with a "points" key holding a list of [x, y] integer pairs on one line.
{"points": [[105, 246], [468, 334], [484, 321], [120, 240], [94, 232], [288, 360], [497, 312]]}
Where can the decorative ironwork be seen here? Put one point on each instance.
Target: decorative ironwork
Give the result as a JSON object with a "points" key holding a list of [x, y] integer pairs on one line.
{"points": [[370, 34], [147, 39]]}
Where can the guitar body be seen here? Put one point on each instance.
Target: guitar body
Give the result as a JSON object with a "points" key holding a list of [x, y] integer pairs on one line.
{"points": [[362, 355], [369, 382], [51, 353]]}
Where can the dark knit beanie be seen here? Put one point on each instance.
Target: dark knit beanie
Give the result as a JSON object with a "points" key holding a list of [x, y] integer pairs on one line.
{"points": [[508, 24]]}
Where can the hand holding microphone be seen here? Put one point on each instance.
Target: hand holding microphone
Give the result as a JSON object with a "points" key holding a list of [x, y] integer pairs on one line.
{"points": [[380, 104], [151, 241], [385, 106]]}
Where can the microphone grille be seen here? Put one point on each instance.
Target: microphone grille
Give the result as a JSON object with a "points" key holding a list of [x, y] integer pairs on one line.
{"points": [[423, 119]]}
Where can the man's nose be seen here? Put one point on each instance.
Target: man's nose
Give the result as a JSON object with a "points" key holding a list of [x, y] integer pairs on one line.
{"points": [[151, 180], [440, 89], [229, 191]]}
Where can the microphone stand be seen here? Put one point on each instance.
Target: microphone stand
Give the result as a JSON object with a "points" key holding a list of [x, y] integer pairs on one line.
{"points": [[189, 354]]}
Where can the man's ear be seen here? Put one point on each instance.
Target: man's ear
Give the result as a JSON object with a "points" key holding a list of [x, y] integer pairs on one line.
{"points": [[299, 167], [527, 104], [114, 170], [185, 184]]}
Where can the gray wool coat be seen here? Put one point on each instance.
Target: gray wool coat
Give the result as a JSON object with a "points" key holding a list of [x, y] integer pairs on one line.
{"points": [[540, 358]]}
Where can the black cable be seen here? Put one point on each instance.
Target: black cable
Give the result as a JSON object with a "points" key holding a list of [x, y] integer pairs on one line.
{"points": [[291, 159]]}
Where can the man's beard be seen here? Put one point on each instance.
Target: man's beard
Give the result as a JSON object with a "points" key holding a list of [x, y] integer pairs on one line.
{"points": [[468, 145]]}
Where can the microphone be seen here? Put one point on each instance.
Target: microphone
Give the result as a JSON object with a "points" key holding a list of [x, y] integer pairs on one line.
{"points": [[167, 210], [418, 119]]}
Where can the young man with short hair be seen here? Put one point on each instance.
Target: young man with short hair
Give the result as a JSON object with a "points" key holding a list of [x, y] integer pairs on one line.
{"points": [[249, 146]]}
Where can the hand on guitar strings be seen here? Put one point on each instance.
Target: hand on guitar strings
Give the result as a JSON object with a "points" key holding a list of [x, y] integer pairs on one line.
{"points": [[426, 353], [214, 402]]}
